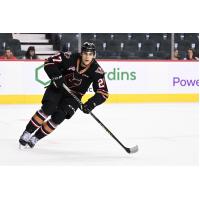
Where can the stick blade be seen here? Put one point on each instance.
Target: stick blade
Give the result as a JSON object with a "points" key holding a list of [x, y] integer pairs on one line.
{"points": [[132, 150]]}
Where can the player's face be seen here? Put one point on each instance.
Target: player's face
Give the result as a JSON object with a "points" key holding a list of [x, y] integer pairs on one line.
{"points": [[87, 57]]}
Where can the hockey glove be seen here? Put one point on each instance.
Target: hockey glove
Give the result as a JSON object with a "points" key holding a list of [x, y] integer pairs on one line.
{"points": [[58, 81], [88, 107]]}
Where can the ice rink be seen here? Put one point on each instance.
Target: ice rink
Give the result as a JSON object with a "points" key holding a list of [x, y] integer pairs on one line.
{"points": [[167, 134]]}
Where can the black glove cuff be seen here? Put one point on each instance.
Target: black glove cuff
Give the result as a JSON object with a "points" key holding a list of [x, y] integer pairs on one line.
{"points": [[88, 107], [58, 81], [57, 78], [91, 105]]}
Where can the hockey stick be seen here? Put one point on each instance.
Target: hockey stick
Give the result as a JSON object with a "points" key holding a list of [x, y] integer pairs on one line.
{"points": [[128, 150]]}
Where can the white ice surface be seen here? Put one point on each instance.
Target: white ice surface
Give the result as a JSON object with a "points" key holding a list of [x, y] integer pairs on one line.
{"points": [[167, 134]]}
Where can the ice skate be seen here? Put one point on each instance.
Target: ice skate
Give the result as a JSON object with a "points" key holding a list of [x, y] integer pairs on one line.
{"points": [[24, 138], [32, 141]]}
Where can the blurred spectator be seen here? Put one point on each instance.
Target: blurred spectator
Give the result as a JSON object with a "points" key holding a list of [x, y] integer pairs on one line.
{"points": [[176, 55], [8, 54], [191, 54], [30, 53]]}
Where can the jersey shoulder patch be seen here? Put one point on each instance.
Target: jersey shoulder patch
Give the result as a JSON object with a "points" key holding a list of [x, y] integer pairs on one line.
{"points": [[99, 70]]}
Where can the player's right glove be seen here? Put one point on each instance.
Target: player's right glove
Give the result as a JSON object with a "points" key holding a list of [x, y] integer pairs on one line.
{"points": [[58, 81]]}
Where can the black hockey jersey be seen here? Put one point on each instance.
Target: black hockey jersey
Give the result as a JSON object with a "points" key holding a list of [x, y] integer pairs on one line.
{"points": [[77, 77]]}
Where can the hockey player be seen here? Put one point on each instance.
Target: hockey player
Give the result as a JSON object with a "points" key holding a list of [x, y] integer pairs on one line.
{"points": [[78, 71]]}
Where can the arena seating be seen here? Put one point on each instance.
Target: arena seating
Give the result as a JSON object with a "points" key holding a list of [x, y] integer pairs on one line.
{"points": [[183, 41], [15, 45], [7, 41], [114, 45]]}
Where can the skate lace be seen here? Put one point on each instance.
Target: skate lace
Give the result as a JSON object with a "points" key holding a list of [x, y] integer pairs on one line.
{"points": [[26, 136], [34, 140]]}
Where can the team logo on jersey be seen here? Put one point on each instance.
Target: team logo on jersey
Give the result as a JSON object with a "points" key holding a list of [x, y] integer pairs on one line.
{"points": [[99, 70], [72, 81]]}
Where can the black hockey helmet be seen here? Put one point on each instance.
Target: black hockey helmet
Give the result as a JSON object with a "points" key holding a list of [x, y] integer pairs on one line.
{"points": [[88, 46]]}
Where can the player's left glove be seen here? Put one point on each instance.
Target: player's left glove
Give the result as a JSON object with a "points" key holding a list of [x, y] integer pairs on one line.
{"points": [[88, 107]]}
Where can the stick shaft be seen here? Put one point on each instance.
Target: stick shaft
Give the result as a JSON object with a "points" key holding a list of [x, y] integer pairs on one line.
{"points": [[81, 104], [107, 130]]}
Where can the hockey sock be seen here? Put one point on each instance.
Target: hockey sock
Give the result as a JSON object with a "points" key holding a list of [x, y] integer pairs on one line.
{"points": [[36, 121], [46, 128]]}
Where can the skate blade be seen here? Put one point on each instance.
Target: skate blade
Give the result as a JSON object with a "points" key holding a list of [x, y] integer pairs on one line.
{"points": [[22, 147]]}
